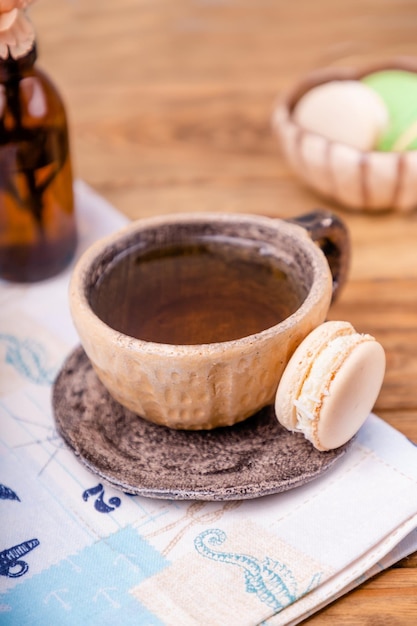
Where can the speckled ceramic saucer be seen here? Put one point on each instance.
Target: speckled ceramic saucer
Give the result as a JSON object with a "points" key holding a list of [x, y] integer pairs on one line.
{"points": [[254, 458]]}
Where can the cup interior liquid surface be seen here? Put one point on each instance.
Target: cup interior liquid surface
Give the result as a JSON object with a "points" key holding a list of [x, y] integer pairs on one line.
{"points": [[211, 289]]}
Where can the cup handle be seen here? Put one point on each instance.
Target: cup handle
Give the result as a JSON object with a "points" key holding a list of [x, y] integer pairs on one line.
{"points": [[330, 233]]}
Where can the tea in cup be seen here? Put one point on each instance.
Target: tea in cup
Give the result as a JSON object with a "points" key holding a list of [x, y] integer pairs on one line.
{"points": [[190, 319]]}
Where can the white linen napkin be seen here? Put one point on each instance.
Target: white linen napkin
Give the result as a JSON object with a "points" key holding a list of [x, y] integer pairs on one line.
{"points": [[74, 550]]}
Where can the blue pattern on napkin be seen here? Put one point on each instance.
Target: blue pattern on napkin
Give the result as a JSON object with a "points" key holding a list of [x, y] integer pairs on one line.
{"points": [[28, 357], [272, 581], [91, 587], [8, 494]]}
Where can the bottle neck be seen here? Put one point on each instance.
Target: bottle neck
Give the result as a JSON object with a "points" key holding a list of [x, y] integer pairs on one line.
{"points": [[11, 68]]}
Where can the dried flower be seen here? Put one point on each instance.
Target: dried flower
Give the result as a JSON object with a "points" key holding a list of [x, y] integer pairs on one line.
{"points": [[16, 31], [9, 5]]}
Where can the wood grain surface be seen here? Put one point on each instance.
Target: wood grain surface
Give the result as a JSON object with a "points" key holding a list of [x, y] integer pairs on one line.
{"points": [[170, 102]]}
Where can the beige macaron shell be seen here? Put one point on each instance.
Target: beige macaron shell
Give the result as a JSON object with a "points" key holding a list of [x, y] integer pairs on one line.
{"points": [[347, 111], [299, 367], [330, 384], [353, 391]]}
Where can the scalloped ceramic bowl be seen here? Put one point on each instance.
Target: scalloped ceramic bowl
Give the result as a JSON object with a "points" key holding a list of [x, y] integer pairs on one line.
{"points": [[361, 181]]}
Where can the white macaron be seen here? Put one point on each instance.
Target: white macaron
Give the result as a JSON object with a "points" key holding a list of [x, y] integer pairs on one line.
{"points": [[346, 111], [330, 384]]}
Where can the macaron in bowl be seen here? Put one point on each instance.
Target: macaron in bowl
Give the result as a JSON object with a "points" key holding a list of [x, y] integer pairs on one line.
{"points": [[351, 134]]}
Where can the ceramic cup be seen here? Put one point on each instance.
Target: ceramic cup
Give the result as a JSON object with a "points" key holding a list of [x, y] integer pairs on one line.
{"points": [[213, 384]]}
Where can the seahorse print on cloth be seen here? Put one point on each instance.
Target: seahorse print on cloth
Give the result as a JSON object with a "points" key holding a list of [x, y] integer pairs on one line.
{"points": [[272, 581], [201, 586]]}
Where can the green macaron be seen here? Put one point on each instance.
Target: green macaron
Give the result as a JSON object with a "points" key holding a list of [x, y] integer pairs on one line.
{"points": [[398, 89]]}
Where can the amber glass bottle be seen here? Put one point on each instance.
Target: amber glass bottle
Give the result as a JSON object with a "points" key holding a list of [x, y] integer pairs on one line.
{"points": [[37, 222]]}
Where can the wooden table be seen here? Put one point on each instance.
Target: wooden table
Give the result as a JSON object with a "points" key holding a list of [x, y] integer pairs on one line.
{"points": [[169, 103]]}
